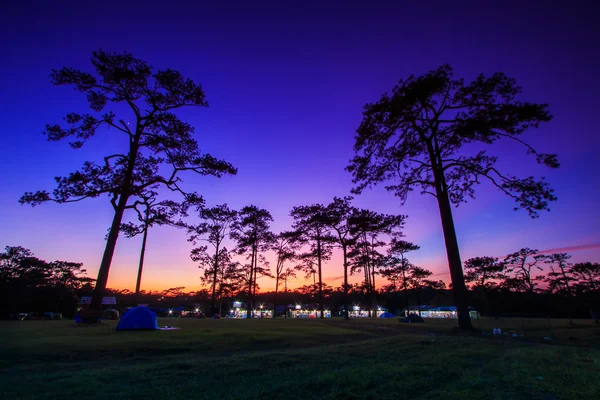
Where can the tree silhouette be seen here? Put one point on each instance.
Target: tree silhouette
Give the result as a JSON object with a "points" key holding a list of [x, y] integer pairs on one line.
{"points": [[587, 275], [337, 216], [217, 224], [253, 236], [287, 274], [230, 278], [310, 225], [560, 280], [397, 265], [285, 245], [417, 138], [418, 282], [20, 263], [160, 145], [173, 292], [367, 227], [261, 269], [65, 278], [522, 264], [20, 272], [154, 213], [482, 272], [66, 275], [23, 276]]}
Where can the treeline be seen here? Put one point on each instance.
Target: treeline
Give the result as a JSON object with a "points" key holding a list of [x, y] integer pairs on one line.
{"points": [[524, 283], [529, 281], [29, 284]]}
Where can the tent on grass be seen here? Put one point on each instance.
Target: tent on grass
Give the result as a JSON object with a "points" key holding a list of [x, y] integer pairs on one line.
{"points": [[138, 318]]}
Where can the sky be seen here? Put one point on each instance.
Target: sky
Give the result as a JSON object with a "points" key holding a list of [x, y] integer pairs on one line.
{"points": [[286, 82]]}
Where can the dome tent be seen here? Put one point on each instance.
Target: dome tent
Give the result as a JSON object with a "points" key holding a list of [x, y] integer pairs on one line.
{"points": [[138, 318], [413, 318], [387, 315]]}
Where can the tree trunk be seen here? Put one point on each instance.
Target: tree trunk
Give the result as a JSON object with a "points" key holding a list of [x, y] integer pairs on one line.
{"points": [[214, 283], [109, 252], [345, 251], [456, 272], [250, 284], [254, 281], [374, 294], [396, 298], [276, 290], [367, 286], [141, 265], [321, 306], [285, 309], [405, 289], [113, 235]]}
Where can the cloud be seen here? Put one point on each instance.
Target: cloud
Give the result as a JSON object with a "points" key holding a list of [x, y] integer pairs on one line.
{"points": [[570, 249]]}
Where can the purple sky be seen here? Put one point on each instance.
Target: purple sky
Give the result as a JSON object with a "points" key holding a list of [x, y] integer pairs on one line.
{"points": [[286, 82]]}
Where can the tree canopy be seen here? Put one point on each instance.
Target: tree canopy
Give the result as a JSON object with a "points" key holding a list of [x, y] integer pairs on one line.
{"points": [[429, 134], [423, 127], [160, 147]]}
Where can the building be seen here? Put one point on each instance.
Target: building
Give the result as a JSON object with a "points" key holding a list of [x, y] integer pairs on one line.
{"points": [[427, 311]]}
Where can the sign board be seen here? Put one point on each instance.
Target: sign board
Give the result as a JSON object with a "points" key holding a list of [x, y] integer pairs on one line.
{"points": [[237, 304], [87, 300]]}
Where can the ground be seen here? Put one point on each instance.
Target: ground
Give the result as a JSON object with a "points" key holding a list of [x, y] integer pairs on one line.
{"points": [[300, 359]]}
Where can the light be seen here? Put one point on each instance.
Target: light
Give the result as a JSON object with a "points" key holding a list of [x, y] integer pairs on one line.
{"points": [[261, 306], [298, 307], [170, 311], [197, 310]]}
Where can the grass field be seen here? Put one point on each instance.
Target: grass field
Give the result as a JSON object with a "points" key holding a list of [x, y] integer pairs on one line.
{"points": [[299, 359]]}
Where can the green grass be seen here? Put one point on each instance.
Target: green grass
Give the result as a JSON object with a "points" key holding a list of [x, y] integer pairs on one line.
{"points": [[297, 359]]}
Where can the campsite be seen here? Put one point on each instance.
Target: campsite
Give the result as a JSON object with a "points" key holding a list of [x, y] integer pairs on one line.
{"points": [[339, 199]]}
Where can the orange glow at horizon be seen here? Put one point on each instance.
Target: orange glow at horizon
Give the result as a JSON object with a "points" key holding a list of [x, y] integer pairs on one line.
{"points": [[158, 277]]}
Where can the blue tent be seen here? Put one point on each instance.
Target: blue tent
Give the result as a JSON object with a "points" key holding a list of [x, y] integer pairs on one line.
{"points": [[386, 315], [138, 318]]}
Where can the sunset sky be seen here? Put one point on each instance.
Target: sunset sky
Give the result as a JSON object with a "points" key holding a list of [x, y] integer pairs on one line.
{"points": [[286, 82]]}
